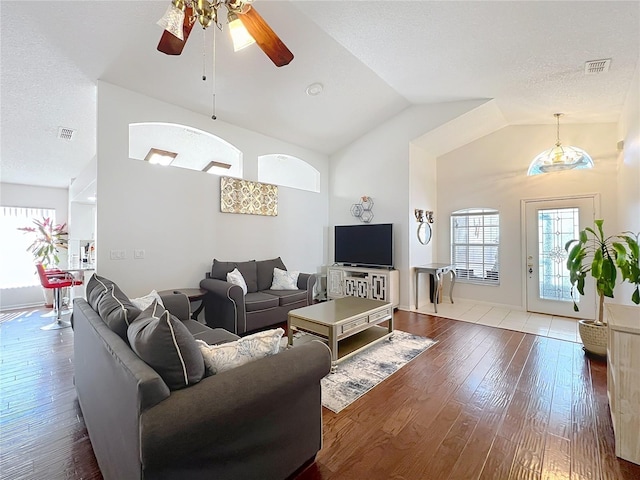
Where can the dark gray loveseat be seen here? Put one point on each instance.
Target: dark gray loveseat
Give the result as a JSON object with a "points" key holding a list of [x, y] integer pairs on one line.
{"points": [[226, 306], [261, 420]]}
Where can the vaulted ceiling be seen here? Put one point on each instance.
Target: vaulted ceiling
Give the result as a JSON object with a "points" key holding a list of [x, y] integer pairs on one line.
{"points": [[373, 58]]}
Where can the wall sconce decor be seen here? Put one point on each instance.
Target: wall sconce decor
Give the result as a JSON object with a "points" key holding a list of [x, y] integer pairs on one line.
{"points": [[425, 219], [363, 209]]}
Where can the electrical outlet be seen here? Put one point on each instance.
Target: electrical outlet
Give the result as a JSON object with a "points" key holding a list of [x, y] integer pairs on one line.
{"points": [[138, 253], [118, 254]]}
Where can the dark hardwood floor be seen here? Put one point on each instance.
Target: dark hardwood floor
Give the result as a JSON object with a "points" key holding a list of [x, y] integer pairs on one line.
{"points": [[482, 403]]}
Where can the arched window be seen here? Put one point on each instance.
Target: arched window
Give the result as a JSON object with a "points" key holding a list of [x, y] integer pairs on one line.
{"points": [[475, 238], [184, 147], [288, 171]]}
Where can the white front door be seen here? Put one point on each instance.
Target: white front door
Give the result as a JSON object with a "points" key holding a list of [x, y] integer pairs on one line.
{"points": [[549, 225]]}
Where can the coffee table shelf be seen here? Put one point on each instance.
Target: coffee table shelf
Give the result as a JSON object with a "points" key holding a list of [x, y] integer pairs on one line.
{"points": [[347, 324]]}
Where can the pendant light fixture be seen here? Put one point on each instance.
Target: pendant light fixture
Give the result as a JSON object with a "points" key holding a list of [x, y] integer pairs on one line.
{"points": [[560, 157]]}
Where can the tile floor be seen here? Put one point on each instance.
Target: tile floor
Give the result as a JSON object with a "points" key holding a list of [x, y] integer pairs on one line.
{"points": [[562, 328]]}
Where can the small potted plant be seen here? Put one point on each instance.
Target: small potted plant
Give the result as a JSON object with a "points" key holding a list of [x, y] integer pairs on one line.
{"points": [[603, 258]]}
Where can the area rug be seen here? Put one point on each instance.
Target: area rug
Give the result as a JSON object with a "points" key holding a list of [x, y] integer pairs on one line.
{"points": [[358, 374]]}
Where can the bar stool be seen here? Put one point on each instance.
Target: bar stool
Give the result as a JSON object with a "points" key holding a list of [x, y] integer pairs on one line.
{"points": [[57, 280]]}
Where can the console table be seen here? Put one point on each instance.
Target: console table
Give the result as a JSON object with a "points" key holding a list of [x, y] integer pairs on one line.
{"points": [[623, 379], [437, 271]]}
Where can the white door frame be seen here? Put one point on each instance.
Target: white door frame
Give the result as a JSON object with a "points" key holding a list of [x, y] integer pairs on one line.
{"points": [[523, 230]]}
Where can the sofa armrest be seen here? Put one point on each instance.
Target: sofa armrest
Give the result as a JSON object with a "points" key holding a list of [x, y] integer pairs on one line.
{"points": [[178, 305], [224, 305], [271, 405], [306, 281]]}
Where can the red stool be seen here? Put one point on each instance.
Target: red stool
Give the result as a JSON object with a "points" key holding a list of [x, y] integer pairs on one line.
{"points": [[57, 280]]}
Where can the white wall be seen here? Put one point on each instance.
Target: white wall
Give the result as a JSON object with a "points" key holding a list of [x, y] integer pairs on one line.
{"points": [[174, 214], [629, 172], [35, 197], [423, 195], [377, 165], [492, 172]]}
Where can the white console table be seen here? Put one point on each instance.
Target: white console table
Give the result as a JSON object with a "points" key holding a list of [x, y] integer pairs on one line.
{"points": [[437, 270], [374, 283], [623, 379]]}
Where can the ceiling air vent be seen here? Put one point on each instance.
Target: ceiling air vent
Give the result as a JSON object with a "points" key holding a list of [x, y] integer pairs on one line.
{"points": [[66, 133], [593, 67]]}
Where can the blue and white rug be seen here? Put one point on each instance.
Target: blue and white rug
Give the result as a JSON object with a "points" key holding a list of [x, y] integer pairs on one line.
{"points": [[358, 374]]}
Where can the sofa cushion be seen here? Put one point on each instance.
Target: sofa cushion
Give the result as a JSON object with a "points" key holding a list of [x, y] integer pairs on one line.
{"points": [[220, 358], [96, 287], [213, 336], [166, 345], [248, 270], [236, 278], [265, 272], [259, 301], [284, 280], [117, 311], [287, 297]]}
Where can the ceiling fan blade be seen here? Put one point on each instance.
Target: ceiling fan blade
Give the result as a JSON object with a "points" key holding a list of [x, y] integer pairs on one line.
{"points": [[265, 37], [172, 45]]}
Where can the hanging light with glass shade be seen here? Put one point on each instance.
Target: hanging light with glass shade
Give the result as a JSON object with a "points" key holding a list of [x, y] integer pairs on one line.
{"points": [[560, 157]]}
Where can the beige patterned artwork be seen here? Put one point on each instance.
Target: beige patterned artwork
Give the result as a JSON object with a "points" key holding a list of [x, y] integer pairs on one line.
{"points": [[253, 198]]}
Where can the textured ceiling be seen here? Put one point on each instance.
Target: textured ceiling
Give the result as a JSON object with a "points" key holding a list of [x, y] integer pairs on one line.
{"points": [[373, 58]]}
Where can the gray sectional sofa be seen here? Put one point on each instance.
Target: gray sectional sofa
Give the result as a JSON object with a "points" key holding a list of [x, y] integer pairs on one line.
{"points": [[226, 306], [262, 420]]}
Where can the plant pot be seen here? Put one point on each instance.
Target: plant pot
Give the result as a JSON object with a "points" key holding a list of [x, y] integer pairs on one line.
{"points": [[594, 337]]}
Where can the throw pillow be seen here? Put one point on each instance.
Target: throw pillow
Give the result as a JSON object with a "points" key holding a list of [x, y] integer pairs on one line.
{"points": [[117, 311], [220, 358], [236, 278], [265, 272], [96, 287], [166, 345], [248, 269], [143, 302], [284, 280]]}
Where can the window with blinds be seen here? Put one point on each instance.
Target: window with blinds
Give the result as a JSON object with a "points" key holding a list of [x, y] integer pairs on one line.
{"points": [[475, 239]]}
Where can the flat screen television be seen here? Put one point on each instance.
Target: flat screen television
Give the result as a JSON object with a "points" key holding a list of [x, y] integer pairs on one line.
{"points": [[367, 245]]}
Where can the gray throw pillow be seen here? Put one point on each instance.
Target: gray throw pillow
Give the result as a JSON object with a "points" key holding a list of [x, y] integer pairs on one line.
{"points": [[265, 272], [165, 344], [96, 287], [248, 270], [117, 311]]}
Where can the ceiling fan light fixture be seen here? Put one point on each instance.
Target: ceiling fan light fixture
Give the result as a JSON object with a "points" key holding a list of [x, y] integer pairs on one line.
{"points": [[173, 19], [559, 158], [239, 34]]}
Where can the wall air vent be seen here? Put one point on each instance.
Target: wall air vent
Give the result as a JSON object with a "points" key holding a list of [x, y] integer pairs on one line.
{"points": [[594, 67], [66, 133]]}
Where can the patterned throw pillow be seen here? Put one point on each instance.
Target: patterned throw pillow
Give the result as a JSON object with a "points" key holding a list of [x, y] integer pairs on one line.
{"points": [[236, 278], [220, 358], [166, 345], [284, 280]]}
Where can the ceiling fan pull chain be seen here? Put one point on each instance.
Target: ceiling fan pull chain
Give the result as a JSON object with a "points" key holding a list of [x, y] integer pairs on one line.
{"points": [[213, 77], [204, 55]]}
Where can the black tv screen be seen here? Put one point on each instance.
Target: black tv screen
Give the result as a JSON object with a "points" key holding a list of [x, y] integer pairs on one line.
{"points": [[366, 245]]}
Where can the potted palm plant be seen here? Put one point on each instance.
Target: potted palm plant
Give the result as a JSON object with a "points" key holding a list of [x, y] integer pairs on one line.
{"points": [[48, 240], [605, 258]]}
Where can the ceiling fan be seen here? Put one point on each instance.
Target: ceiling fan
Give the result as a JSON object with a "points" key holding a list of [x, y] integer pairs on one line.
{"points": [[245, 25]]}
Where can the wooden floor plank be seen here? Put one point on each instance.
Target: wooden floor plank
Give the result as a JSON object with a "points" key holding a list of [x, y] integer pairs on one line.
{"points": [[483, 403]]}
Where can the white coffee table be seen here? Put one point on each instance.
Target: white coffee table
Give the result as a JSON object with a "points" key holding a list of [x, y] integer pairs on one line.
{"points": [[348, 324]]}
